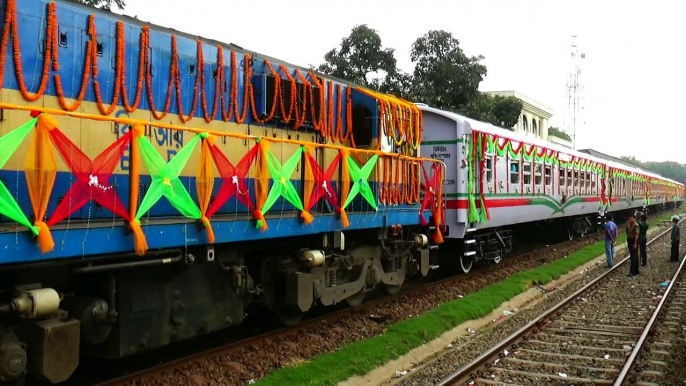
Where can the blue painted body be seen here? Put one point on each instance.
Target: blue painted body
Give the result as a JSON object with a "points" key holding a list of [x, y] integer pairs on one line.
{"points": [[93, 230]]}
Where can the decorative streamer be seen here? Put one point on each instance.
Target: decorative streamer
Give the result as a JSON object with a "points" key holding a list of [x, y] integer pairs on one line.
{"points": [[205, 183], [140, 243], [345, 182], [261, 183], [8, 145], [40, 169], [473, 213], [308, 186], [431, 196]]}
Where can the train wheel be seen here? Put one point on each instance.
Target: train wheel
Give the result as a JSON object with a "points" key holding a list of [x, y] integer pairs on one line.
{"points": [[391, 289], [288, 316], [466, 263], [570, 233], [356, 300]]}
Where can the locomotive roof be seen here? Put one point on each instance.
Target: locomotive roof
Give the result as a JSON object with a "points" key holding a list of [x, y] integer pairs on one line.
{"points": [[488, 128]]}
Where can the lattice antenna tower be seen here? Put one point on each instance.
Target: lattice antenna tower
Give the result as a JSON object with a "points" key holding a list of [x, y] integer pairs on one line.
{"points": [[574, 92]]}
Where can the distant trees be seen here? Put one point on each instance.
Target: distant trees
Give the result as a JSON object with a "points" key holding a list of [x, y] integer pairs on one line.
{"points": [[103, 4], [444, 76], [672, 170], [554, 131]]}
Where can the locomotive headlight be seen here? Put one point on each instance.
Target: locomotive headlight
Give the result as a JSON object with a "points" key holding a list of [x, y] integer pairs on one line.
{"points": [[421, 240], [313, 258]]}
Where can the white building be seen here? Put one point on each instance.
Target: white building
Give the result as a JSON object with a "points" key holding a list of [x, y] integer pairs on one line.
{"points": [[533, 120]]}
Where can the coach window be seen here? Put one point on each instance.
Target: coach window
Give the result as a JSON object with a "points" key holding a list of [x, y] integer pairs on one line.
{"points": [[576, 178], [594, 177], [562, 177], [538, 171], [488, 168], [588, 180], [569, 178], [527, 173], [548, 175], [514, 172]]}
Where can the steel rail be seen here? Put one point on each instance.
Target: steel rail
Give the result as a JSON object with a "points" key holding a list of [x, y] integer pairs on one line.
{"points": [[172, 365], [628, 366], [466, 372]]}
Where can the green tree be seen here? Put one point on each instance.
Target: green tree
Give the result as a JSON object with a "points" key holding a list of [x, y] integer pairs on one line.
{"points": [[506, 111], [497, 110], [668, 169], [444, 77], [396, 83], [359, 56], [103, 4], [554, 131]]}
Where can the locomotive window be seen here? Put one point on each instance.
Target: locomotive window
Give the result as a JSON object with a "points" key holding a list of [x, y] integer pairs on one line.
{"points": [[514, 172], [538, 169], [527, 173], [548, 175], [562, 177], [488, 168]]}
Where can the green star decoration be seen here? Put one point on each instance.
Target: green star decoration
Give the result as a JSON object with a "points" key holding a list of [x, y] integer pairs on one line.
{"points": [[165, 179], [360, 184], [282, 180]]}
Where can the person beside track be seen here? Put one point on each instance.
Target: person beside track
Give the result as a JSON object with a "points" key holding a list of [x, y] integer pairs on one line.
{"points": [[610, 239], [676, 236], [643, 237], [632, 244]]}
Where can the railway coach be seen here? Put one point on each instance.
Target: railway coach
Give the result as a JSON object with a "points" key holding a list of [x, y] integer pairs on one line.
{"points": [[153, 183], [497, 180]]}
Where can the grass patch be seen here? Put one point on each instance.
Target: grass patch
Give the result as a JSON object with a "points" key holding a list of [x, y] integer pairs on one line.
{"points": [[359, 358]]}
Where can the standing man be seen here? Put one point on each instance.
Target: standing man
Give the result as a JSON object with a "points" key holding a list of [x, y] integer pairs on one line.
{"points": [[643, 238], [632, 243], [676, 233], [610, 238]]}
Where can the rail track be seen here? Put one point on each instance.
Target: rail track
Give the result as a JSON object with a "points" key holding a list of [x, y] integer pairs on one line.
{"points": [[475, 280], [172, 365], [595, 336]]}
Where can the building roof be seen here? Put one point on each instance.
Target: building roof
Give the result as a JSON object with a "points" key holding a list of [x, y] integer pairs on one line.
{"points": [[597, 154]]}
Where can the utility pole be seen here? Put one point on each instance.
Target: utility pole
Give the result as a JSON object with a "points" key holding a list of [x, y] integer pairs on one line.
{"points": [[573, 84]]}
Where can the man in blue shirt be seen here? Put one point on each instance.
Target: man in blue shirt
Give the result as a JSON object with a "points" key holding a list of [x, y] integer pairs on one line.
{"points": [[610, 239]]}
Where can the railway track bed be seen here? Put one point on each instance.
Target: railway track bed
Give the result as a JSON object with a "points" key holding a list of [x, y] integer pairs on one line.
{"points": [[595, 336], [240, 362]]}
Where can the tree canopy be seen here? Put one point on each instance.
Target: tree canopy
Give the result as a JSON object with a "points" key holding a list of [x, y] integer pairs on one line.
{"points": [[443, 77], [668, 169], [554, 131], [359, 56], [104, 4]]}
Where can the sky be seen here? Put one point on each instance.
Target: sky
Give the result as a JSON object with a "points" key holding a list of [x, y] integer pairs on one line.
{"points": [[633, 75]]}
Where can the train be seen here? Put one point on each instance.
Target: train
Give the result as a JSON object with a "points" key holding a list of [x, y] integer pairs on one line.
{"points": [[497, 179], [153, 184]]}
